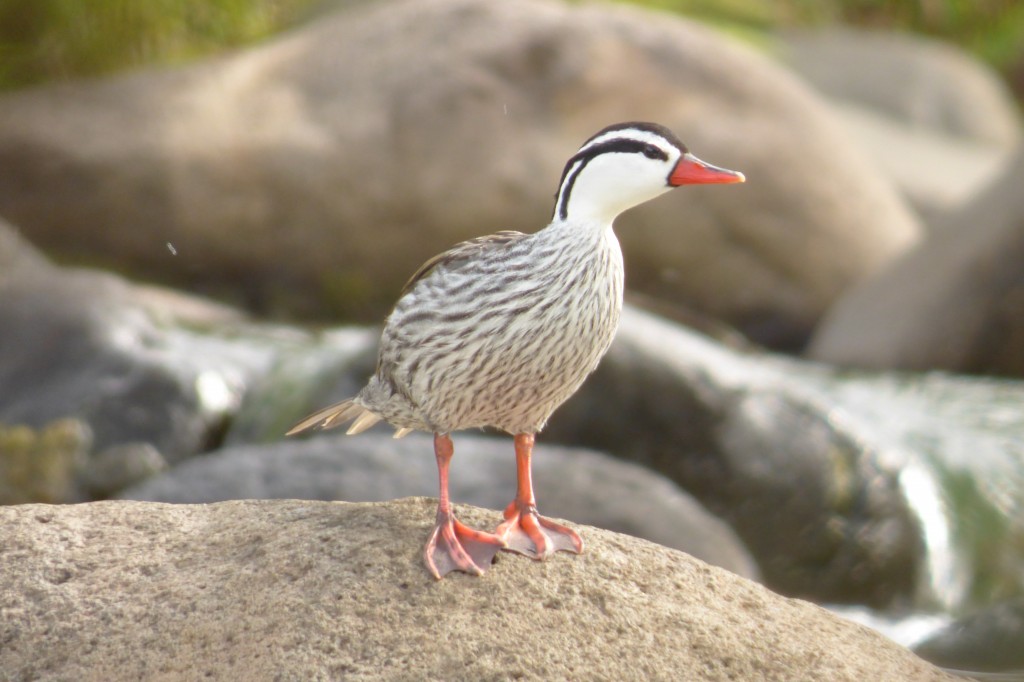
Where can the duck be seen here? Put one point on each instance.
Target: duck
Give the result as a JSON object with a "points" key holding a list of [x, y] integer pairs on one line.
{"points": [[498, 331]]}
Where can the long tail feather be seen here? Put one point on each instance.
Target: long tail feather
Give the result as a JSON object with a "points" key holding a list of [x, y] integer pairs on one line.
{"points": [[336, 415], [363, 422]]}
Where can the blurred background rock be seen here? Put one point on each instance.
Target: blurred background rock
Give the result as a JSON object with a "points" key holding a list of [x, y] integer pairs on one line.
{"points": [[846, 422]]}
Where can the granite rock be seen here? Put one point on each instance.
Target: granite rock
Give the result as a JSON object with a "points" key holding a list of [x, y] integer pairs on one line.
{"points": [[317, 591]]}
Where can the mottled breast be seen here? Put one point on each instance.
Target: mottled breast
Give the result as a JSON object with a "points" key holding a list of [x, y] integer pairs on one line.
{"points": [[499, 331]]}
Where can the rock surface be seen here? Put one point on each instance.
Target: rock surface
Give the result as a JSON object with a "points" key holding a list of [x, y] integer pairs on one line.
{"points": [[571, 483], [927, 83], [313, 174], [937, 173], [938, 122], [307, 590], [988, 640], [956, 302]]}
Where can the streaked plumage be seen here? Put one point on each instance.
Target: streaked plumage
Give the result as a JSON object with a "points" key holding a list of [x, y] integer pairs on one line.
{"points": [[500, 330]]}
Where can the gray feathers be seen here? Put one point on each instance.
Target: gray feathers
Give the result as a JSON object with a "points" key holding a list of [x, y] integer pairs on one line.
{"points": [[500, 330]]}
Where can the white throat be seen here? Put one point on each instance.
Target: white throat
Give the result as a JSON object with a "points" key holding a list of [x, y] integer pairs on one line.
{"points": [[599, 194]]}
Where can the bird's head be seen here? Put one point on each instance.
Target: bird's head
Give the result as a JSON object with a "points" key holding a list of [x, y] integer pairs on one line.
{"points": [[625, 165]]}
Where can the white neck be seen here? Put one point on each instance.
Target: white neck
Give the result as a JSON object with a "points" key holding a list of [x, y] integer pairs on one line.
{"points": [[597, 189]]}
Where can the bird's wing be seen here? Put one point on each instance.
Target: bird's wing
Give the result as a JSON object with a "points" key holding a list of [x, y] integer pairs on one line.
{"points": [[462, 251]]}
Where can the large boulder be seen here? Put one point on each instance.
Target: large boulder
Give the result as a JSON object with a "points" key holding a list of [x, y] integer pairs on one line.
{"points": [[313, 590], [314, 173], [927, 83], [956, 302], [937, 121]]}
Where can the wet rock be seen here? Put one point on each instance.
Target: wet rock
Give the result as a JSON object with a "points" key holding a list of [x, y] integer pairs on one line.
{"points": [[846, 486], [120, 466], [752, 436], [988, 641], [958, 443], [331, 366], [133, 364], [580, 485], [286, 589], [76, 344], [314, 173]]}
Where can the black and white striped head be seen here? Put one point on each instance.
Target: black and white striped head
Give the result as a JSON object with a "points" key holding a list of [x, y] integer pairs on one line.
{"points": [[625, 165]]}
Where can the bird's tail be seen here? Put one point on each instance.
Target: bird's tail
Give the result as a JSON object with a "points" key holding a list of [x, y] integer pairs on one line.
{"points": [[336, 415]]}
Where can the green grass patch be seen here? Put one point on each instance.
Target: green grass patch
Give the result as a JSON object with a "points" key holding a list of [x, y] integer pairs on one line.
{"points": [[52, 40]]}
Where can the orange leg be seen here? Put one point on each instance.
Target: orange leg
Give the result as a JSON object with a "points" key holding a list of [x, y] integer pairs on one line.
{"points": [[453, 546], [524, 530]]}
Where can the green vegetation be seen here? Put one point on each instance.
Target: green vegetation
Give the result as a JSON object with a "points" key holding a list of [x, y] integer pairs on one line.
{"points": [[991, 29], [49, 40], [40, 465], [989, 537]]}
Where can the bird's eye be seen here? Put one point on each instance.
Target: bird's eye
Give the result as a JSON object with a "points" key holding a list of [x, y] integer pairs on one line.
{"points": [[652, 152]]}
